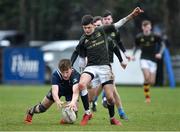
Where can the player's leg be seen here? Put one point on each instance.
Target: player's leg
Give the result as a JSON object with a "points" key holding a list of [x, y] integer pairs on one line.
{"points": [[39, 108], [106, 78], [153, 69], [109, 89], [119, 106], [95, 84], [92, 98], [146, 72], [152, 78], [98, 90], [85, 79], [146, 85]]}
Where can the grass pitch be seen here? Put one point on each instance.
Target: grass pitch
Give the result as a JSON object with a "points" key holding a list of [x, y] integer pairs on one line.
{"points": [[162, 114]]}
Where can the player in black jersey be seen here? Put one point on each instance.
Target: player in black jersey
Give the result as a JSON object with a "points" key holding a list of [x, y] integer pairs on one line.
{"points": [[95, 47], [152, 47], [113, 40], [112, 48], [64, 81]]}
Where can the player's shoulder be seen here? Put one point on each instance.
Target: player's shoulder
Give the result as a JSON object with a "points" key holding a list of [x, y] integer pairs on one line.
{"points": [[56, 73]]}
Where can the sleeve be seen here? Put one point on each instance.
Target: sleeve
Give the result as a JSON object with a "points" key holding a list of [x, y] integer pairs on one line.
{"points": [[55, 80], [119, 42], [75, 55], [82, 51], [117, 53]]}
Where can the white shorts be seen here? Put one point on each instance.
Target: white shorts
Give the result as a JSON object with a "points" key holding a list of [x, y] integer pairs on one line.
{"points": [[148, 64], [102, 74], [95, 82]]}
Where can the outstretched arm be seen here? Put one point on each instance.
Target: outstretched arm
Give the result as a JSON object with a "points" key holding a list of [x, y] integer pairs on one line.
{"points": [[75, 96], [133, 14], [55, 90]]}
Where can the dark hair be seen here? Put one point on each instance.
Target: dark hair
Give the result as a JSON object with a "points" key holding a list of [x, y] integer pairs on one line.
{"points": [[107, 13], [87, 19], [64, 65], [97, 18], [146, 22]]}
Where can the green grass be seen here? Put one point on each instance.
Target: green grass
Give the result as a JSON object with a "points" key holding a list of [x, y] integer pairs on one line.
{"points": [[162, 114]]}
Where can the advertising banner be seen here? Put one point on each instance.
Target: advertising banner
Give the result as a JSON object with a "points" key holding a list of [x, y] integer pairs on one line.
{"points": [[23, 66]]}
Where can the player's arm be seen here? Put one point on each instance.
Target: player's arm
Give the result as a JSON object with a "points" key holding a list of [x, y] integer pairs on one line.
{"points": [[133, 14], [75, 54], [119, 42], [161, 50], [55, 90], [75, 96], [121, 46], [74, 57], [118, 54]]}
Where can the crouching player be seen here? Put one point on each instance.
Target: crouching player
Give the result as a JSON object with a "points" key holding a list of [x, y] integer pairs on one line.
{"points": [[65, 81]]}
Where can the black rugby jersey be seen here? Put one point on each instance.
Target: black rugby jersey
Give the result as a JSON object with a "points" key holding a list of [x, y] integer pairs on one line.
{"points": [[95, 46], [149, 45]]}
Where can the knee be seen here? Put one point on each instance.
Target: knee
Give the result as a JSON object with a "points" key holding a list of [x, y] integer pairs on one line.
{"points": [[110, 101], [152, 82], [81, 86]]}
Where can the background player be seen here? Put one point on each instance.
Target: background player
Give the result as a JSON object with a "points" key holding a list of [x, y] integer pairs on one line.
{"points": [[152, 47]]}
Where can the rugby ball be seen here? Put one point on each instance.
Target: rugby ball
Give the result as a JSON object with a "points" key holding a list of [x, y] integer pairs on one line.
{"points": [[68, 115]]}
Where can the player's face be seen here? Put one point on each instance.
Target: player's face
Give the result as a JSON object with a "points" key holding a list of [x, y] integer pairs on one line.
{"points": [[107, 20], [88, 29], [66, 74], [98, 23], [146, 29]]}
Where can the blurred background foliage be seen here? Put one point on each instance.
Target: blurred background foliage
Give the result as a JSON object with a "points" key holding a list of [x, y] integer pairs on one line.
{"points": [[50, 20]]}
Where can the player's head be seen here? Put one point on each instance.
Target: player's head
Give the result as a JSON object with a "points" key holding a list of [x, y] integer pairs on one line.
{"points": [[107, 18], [97, 21], [65, 68], [146, 27], [87, 24]]}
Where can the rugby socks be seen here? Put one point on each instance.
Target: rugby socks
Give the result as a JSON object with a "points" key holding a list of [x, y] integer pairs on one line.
{"points": [[121, 111], [85, 101], [39, 108], [111, 110], [146, 90]]}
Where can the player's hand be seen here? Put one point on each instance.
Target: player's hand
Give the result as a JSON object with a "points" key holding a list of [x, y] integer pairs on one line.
{"points": [[137, 11], [59, 104], [158, 56], [71, 105], [123, 65]]}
